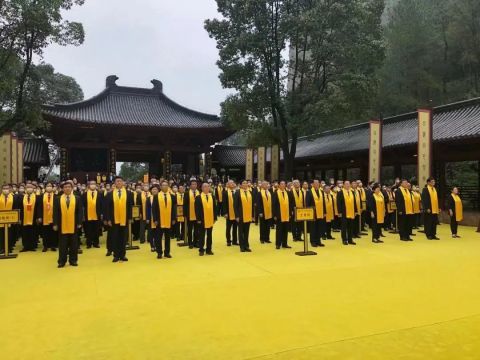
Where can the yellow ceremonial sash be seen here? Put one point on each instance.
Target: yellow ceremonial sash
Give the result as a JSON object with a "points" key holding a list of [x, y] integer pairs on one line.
{"points": [[329, 215], [145, 195], [28, 209], [433, 199], [284, 205], [220, 194], [191, 214], [68, 214], [246, 198], [458, 207], [6, 202], [380, 207], [318, 200], [47, 209], [389, 203], [267, 205], [349, 205], [407, 198], [120, 207], [208, 216], [165, 209], [92, 205], [358, 201], [180, 202], [416, 202], [335, 205], [298, 198], [363, 198], [231, 211]]}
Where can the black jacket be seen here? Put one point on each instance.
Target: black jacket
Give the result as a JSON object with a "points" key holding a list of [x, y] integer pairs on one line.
{"points": [[98, 205], [237, 201], [226, 203], [187, 205], [109, 214], [372, 206], [341, 203], [259, 201], [310, 201], [57, 213], [156, 210], [451, 204], [199, 208], [427, 201], [400, 201], [276, 204]]}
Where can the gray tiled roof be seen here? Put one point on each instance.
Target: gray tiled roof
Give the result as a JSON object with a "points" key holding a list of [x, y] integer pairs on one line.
{"points": [[133, 106], [454, 121], [229, 155], [460, 120], [35, 152]]}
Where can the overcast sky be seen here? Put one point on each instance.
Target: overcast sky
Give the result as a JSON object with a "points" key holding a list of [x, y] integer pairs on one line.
{"points": [[141, 40]]}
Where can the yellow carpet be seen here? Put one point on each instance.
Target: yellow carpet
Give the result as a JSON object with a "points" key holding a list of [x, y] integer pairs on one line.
{"points": [[397, 300]]}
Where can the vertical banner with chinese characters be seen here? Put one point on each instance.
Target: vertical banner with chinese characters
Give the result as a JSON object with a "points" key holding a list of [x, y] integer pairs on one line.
{"points": [[63, 163], [261, 155], [14, 159], [113, 161], [425, 134], [6, 159], [249, 164], [20, 160], [208, 164], [375, 151], [275, 163], [167, 164]]}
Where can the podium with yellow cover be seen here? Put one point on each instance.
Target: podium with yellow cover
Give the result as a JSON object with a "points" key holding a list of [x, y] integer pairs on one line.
{"points": [[7, 218], [305, 215]]}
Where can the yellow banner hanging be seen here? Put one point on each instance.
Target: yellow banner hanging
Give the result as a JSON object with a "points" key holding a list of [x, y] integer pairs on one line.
{"points": [[249, 164], [425, 134], [375, 151], [275, 163], [6, 159], [14, 159], [261, 158]]}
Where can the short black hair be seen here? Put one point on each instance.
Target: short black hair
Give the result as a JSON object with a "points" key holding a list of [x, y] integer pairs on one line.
{"points": [[430, 179], [117, 177]]}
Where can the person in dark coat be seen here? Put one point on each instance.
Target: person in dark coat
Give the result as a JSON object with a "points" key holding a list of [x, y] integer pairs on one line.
{"points": [[455, 210], [206, 215], [282, 205], [67, 219], [244, 214]]}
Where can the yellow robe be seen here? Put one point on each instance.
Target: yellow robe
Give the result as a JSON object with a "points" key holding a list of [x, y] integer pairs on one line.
{"points": [[284, 205]]}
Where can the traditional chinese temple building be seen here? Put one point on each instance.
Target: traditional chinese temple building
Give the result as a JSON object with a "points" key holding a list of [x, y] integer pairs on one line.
{"points": [[128, 124]]}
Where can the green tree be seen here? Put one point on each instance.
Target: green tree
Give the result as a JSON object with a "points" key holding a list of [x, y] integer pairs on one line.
{"points": [[433, 54], [298, 66], [133, 171], [27, 27]]}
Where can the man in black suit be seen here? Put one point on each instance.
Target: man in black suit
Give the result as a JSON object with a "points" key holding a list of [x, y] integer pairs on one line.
{"points": [[206, 216], [92, 200], [164, 213], [404, 202], [244, 215], [282, 206], [229, 213], [67, 219], [431, 209], [118, 215], [347, 209], [189, 213]]}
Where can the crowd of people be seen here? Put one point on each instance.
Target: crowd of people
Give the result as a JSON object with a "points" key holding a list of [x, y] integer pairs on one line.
{"points": [[187, 210]]}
